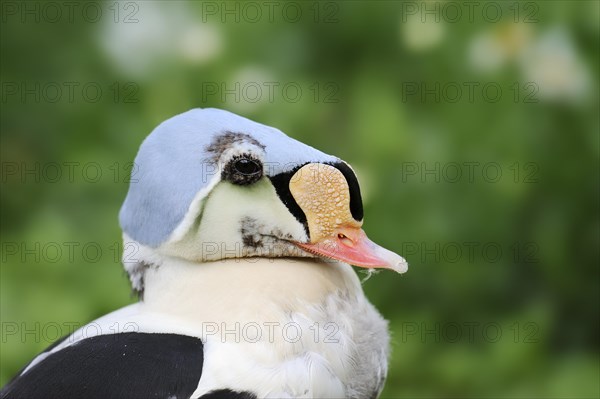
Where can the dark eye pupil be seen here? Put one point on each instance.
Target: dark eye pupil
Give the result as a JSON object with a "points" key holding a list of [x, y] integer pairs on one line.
{"points": [[243, 170], [247, 166]]}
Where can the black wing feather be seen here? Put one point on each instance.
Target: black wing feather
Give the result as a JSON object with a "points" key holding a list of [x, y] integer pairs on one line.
{"points": [[127, 365], [228, 394]]}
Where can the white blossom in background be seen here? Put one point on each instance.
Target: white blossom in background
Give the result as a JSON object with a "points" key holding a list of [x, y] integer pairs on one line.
{"points": [[164, 33], [549, 59], [493, 49], [553, 64], [420, 36], [200, 43]]}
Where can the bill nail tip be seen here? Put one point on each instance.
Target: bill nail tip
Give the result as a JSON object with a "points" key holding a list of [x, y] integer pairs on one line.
{"points": [[401, 267]]}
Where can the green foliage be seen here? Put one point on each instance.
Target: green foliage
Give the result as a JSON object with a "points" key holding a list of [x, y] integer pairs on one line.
{"points": [[358, 65]]}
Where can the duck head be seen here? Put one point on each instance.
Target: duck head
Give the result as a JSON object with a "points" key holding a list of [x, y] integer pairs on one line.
{"points": [[208, 185]]}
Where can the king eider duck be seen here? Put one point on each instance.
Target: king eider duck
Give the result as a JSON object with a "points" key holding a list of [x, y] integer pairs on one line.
{"points": [[239, 241]]}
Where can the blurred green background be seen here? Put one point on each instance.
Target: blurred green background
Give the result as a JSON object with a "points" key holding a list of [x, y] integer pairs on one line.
{"points": [[473, 129]]}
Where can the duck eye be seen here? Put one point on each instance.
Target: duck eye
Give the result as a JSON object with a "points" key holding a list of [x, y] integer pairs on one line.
{"points": [[243, 170], [247, 166]]}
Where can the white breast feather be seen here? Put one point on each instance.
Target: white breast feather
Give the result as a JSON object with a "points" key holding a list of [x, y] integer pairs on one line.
{"points": [[343, 346]]}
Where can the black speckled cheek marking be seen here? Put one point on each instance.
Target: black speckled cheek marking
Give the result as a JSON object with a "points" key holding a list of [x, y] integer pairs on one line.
{"points": [[224, 141], [356, 207], [250, 233]]}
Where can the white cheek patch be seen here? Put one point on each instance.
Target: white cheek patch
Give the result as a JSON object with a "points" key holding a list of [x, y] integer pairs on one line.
{"points": [[240, 221]]}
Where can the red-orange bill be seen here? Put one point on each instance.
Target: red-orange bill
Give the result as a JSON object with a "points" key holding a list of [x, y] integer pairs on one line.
{"points": [[356, 249]]}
